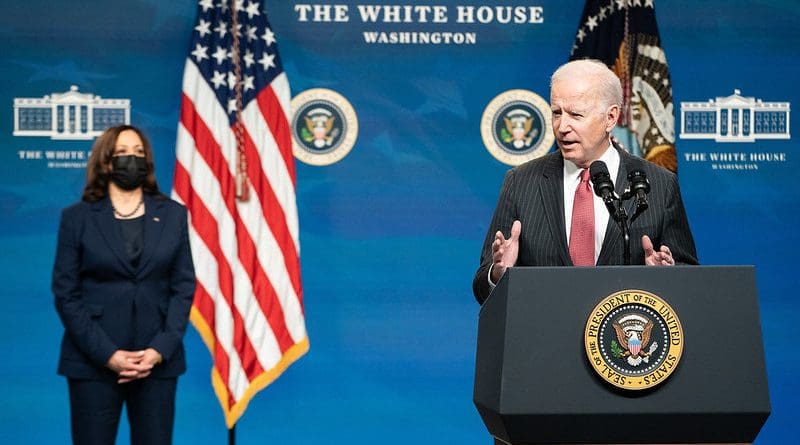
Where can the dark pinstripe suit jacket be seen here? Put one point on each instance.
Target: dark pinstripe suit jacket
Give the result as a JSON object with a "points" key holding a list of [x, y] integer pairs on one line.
{"points": [[534, 194]]}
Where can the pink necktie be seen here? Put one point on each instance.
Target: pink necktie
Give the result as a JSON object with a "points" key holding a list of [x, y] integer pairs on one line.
{"points": [[581, 233]]}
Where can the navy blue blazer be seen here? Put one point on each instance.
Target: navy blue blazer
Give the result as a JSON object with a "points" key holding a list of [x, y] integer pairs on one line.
{"points": [[106, 304]]}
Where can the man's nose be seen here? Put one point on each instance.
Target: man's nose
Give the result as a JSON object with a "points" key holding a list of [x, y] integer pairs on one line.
{"points": [[563, 125]]}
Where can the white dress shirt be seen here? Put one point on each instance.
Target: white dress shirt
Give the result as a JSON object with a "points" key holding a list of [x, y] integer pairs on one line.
{"points": [[572, 177]]}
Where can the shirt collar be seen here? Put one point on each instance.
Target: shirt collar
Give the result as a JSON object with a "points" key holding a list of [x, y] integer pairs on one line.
{"points": [[611, 158]]}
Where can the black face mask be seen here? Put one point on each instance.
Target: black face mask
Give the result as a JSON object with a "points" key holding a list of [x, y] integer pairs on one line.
{"points": [[128, 172]]}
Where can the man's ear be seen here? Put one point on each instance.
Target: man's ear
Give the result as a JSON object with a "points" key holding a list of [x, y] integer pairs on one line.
{"points": [[612, 117]]}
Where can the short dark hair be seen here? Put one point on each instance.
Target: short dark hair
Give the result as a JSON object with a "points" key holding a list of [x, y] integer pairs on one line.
{"points": [[98, 166]]}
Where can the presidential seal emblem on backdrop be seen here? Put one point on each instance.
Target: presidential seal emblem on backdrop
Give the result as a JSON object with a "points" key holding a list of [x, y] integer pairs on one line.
{"points": [[516, 127], [324, 126], [633, 339]]}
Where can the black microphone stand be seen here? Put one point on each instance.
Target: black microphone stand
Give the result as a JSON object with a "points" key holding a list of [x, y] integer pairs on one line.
{"points": [[620, 215], [622, 220]]}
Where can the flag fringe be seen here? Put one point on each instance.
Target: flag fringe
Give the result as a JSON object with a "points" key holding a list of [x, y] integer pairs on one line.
{"points": [[233, 413]]}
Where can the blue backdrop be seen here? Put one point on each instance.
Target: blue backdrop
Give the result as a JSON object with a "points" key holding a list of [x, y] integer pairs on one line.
{"points": [[390, 234]]}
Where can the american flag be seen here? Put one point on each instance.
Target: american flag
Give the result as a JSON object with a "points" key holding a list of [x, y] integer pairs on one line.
{"points": [[235, 173]]}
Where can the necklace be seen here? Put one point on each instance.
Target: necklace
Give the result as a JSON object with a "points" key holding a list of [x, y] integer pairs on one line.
{"points": [[127, 215]]}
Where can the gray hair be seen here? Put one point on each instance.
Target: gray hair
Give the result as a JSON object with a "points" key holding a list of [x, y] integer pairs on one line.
{"points": [[608, 87]]}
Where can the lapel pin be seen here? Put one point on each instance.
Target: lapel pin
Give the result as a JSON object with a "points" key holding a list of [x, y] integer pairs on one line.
{"points": [[156, 219]]}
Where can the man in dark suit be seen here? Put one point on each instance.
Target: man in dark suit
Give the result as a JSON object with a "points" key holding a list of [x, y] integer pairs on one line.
{"points": [[550, 223]]}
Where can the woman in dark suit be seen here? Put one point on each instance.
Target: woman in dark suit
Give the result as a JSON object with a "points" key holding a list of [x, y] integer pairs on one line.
{"points": [[123, 282]]}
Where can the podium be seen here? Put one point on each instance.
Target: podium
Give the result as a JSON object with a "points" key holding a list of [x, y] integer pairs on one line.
{"points": [[534, 383]]}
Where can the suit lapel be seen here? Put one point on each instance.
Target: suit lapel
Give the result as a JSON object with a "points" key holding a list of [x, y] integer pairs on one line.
{"points": [[103, 216], [154, 221], [552, 195]]}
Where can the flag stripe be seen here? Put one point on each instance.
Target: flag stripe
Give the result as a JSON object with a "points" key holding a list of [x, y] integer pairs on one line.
{"points": [[221, 175], [221, 361], [265, 294], [277, 123], [271, 303], [207, 232], [274, 215], [268, 249], [229, 322], [249, 303]]}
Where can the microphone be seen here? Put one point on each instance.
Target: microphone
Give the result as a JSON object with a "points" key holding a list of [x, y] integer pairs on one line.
{"points": [[640, 187], [603, 186]]}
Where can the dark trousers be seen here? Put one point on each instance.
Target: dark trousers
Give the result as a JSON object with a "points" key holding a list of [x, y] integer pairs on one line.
{"points": [[96, 405]]}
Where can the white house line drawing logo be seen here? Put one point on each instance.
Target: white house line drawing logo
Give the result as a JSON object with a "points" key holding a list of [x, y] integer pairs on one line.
{"points": [[735, 119], [69, 115]]}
